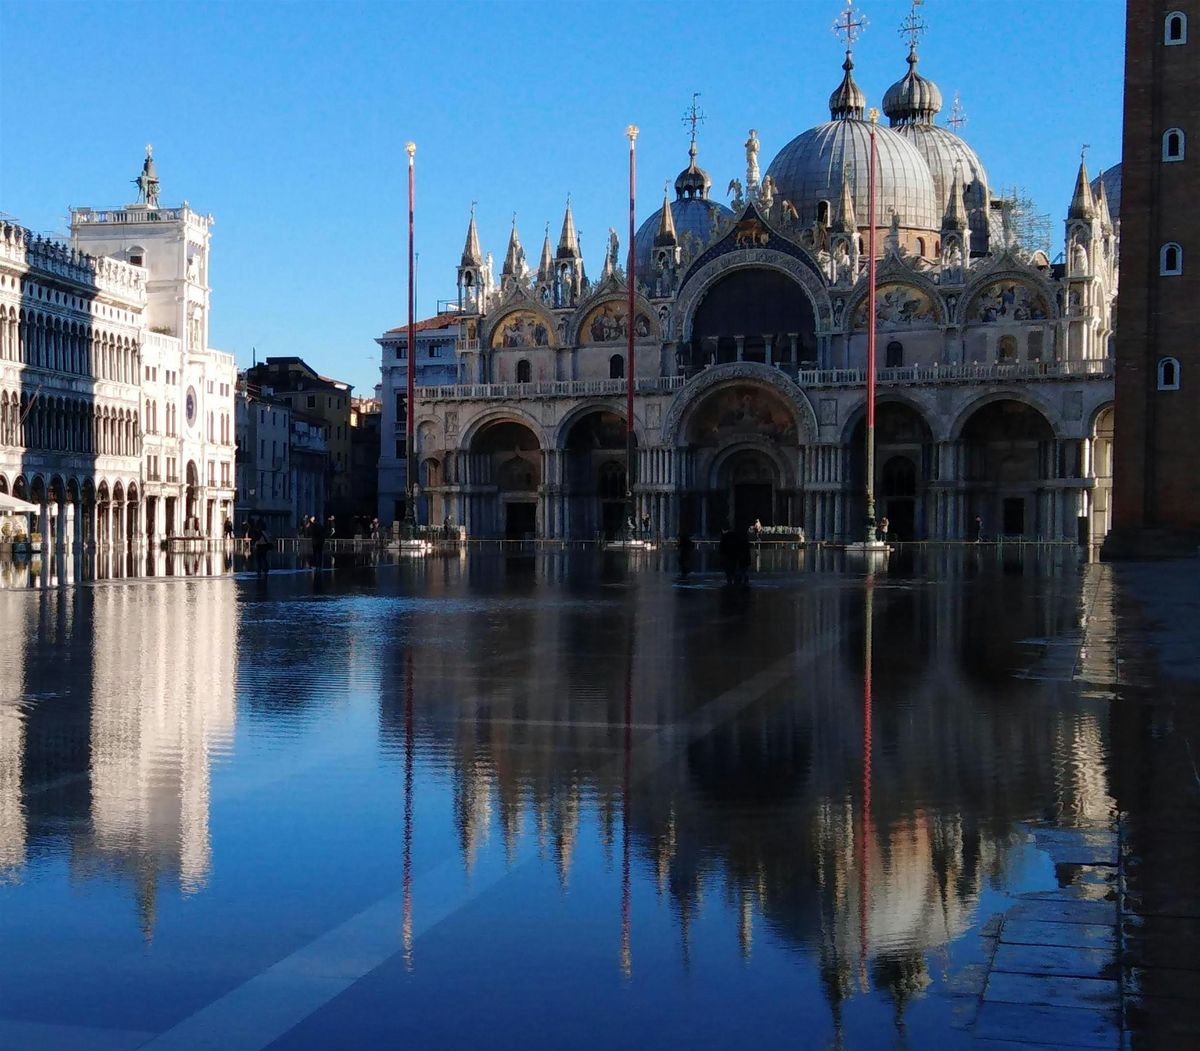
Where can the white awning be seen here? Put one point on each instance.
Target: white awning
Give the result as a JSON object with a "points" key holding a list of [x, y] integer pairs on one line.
{"points": [[11, 505]]}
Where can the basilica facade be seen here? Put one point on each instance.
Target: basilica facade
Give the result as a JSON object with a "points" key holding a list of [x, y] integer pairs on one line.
{"points": [[994, 374]]}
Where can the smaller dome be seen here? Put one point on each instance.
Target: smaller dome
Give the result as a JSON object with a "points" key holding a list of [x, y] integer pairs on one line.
{"points": [[847, 101], [691, 215], [693, 181], [913, 99]]}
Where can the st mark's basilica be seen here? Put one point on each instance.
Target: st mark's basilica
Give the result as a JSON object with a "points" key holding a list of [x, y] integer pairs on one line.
{"points": [[995, 381]]}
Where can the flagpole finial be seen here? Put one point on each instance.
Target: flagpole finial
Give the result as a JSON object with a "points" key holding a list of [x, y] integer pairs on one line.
{"points": [[410, 148], [631, 132], [873, 114]]}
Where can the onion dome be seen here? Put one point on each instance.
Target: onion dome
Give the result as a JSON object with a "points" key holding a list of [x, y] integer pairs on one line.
{"points": [[913, 99], [809, 170], [848, 101], [690, 213], [693, 181]]}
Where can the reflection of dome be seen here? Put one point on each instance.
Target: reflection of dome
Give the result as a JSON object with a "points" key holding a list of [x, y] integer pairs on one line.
{"points": [[809, 169]]}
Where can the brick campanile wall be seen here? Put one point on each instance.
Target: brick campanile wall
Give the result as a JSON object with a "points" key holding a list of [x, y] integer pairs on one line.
{"points": [[1156, 499]]}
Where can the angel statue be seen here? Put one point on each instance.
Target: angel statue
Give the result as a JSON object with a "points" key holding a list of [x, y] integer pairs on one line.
{"points": [[767, 193], [735, 191]]}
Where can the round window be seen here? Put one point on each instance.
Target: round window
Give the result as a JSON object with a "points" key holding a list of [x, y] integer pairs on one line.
{"points": [[189, 406]]}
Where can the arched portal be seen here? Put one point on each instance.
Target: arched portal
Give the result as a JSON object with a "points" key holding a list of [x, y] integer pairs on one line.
{"points": [[1009, 455], [594, 475], [754, 314], [743, 447], [506, 464], [1103, 430], [903, 467]]}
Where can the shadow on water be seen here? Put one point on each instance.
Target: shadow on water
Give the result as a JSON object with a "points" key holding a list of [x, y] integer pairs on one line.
{"points": [[701, 813]]}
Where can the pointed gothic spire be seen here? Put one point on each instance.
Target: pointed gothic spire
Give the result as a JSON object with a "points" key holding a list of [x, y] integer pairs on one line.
{"points": [[955, 216], [472, 254], [1082, 204], [844, 222], [568, 241], [1103, 211], [546, 265], [665, 237], [514, 259]]}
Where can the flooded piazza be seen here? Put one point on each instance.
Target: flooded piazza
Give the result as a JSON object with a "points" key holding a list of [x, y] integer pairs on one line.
{"points": [[562, 800]]}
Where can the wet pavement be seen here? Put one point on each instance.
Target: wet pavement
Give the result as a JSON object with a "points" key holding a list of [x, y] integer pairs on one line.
{"points": [[560, 800]]}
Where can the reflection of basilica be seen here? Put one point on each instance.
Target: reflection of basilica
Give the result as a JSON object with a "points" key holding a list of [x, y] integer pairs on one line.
{"points": [[120, 753], [995, 377], [862, 826]]}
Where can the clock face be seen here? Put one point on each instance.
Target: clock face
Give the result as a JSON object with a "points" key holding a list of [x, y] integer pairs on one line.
{"points": [[189, 406]]}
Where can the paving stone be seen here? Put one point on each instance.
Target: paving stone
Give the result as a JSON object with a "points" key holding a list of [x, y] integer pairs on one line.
{"points": [[1067, 961], [1082, 935], [1086, 993], [1090, 912], [1060, 1027]]}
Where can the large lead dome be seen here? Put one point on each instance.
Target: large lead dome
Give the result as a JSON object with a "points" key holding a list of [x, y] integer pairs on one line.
{"points": [[692, 212], [911, 104], [808, 170]]}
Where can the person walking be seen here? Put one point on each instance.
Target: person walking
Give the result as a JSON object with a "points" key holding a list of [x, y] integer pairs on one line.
{"points": [[884, 526], [261, 542], [316, 535], [687, 547], [978, 528]]}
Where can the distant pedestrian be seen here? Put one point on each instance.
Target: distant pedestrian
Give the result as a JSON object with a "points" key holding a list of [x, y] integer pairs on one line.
{"points": [[316, 536], [646, 524], [228, 528], [882, 531], [375, 529], [261, 544], [978, 528], [330, 528], [756, 530], [687, 547]]}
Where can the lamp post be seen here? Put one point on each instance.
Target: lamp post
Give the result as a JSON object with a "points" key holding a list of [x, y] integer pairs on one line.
{"points": [[632, 133], [410, 510], [870, 522]]}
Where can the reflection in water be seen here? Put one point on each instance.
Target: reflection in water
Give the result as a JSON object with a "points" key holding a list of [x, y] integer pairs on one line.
{"points": [[822, 762]]}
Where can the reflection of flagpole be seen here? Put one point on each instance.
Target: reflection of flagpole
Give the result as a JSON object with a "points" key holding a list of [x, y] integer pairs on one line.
{"points": [[632, 132], [408, 807], [870, 523], [864, 880], [410, 511], [627, 748]]}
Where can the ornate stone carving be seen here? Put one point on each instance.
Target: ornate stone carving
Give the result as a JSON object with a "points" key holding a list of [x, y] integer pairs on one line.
{"points": [[745, 372]]}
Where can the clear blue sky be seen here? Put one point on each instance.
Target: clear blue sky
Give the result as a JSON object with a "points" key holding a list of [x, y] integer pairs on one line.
{"points": [[287, 122]]}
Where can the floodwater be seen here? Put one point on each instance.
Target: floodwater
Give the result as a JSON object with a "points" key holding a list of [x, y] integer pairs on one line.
{"points": [[553, 800]]}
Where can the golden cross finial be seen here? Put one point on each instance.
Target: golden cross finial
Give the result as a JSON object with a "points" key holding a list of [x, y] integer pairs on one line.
{"points": [[958, 116], [849, 26], [693, 115], [913, 26]]}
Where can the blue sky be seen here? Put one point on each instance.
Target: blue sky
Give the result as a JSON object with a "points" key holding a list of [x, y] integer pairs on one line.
{"points": [[287, 122]]}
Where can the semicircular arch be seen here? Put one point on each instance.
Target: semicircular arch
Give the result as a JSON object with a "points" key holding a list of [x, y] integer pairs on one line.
{"points": [[1027, 398], [701, 386], [585, 408], [504, 414]]}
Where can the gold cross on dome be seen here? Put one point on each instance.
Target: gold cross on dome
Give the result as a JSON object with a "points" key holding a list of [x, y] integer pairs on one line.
{"points": [[849, 25], [913, 26], [694, 115]]}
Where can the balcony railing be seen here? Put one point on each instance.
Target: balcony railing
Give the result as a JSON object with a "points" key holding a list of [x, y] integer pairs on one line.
{"points": [[549, 389], [907, 375]]}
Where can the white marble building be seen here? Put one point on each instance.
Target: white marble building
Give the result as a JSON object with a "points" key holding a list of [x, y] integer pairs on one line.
{"points": [[116, 417]]}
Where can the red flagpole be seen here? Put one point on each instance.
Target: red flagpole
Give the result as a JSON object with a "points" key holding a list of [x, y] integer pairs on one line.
{"points": [[871, 336], [632, 132], [410, 510]]}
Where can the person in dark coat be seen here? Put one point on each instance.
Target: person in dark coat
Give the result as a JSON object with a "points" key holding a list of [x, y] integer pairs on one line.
{"points": [[316, 534], [729, 547], [687, 547]]}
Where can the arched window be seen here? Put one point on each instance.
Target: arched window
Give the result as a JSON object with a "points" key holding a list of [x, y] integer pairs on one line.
{"points": [[894, 358], [1170, 260], [1006, 351], [823, 213], [616, 367], [920, 246], [1173, 144], [524, 371], [137, 256], [1168, 374], [1175, 28]]}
